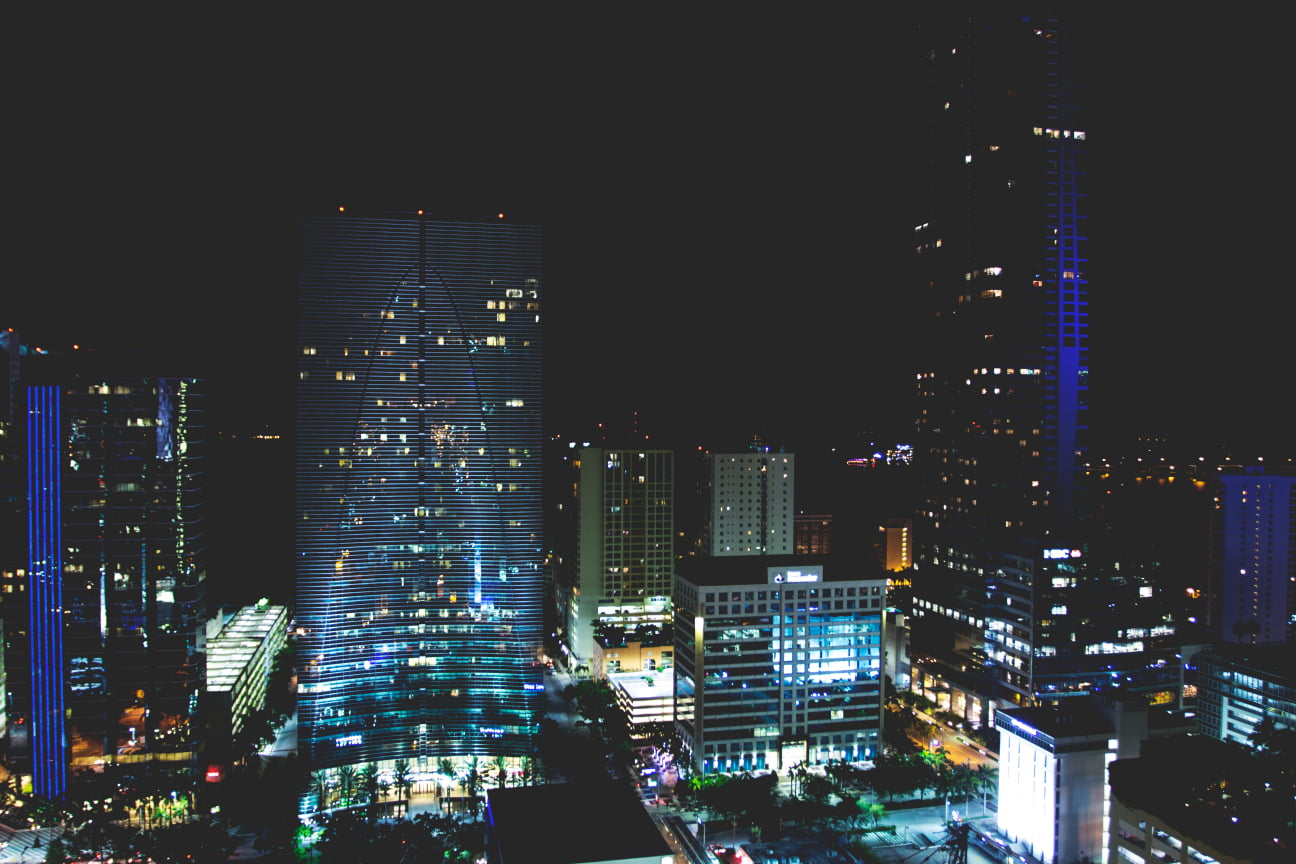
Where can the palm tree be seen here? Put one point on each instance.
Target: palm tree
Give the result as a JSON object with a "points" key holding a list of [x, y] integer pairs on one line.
{"points": [[501, 770], [402, 778], [346, 783], [319, 783], [368, 784], [472, 783], [988, 781], [527, 776]]}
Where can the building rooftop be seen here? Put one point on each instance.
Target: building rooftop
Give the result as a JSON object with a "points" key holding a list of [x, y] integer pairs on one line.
{"points": [[754, 569], [1225, 795], [636, 684], [571, 823], [229, 653]]}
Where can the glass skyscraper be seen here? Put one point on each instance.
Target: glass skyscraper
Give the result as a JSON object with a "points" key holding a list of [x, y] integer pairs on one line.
{"points": [[116, 568], [418, 464]]}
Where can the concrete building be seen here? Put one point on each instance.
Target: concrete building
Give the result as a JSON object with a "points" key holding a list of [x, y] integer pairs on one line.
{"points": [[647, 651], [625, 553], [778, 661], [750, 504], [1053, 789], [240, 654], [645, 697]]}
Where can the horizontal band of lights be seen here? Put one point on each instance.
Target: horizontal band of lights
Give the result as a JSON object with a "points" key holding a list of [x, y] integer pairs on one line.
{"points": [[418, 464], [45, 569]]}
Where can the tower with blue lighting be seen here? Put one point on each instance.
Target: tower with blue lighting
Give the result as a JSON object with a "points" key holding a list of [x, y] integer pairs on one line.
{"points": [[418, 463], [48, 733], [1001, 270], [116, 568]]}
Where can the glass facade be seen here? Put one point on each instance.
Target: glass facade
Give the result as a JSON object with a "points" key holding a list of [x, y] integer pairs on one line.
{"points": [[418, 464], [117, 568]]}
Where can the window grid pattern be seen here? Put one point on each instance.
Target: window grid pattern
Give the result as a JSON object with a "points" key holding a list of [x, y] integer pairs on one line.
{"points": [[418, 487]]}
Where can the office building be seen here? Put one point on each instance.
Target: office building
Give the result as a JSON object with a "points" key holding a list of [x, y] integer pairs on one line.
{"points": [[778, 662], [420, 586], [1240, 687], [749, 503], [116, 569], [625, 552], [1254, 570]]}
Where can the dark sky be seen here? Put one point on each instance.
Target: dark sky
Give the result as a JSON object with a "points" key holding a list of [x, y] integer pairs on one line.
{"points": [[724, 198]]}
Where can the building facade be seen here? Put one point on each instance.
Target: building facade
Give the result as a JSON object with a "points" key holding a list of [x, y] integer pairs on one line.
{"points": [[1238, 688], [1009, 602], [778, 662], [750, 504], [240, 656], [625, 552], [418, 462], [116, 572], [1254, 569]]}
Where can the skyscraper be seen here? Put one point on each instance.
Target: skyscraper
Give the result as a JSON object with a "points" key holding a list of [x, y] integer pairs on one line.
{"points": [[419, 551], [1254, 568], [625, 553], [116, 567], [1000, 245]]}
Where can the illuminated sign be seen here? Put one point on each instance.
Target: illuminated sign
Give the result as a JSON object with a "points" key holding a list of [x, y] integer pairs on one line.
{"points": [[1023, 727], [807, 575], [1061, 553]]}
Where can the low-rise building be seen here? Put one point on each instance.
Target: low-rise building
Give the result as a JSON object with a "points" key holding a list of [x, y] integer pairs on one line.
{"points": [[645, 697], [1240, 686], [1191, 799], [240, 655]]}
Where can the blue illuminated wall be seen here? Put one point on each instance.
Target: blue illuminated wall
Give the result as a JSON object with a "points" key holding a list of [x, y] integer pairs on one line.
{"points": [[418, 471], [45, 569]]}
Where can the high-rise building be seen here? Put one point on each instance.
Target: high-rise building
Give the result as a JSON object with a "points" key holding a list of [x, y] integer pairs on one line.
{"points": [[116, 568], [625, 552], [1254, 566], [750, 504], [419, 550], [1001, 267]]}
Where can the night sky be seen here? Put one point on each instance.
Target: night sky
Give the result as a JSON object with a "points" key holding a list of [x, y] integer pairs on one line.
{"points": [[724, 196]]}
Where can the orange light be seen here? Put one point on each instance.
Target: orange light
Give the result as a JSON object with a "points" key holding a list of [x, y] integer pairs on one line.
{"points": [[76, 347], [341, 209], [501, 215], [420, 213]]}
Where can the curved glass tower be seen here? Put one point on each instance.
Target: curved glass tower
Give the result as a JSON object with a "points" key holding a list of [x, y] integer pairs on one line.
{"points": [[418, 466]]}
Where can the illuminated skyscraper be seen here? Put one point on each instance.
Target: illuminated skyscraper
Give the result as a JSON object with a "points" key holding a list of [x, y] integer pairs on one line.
{"points": [[1254, 568], [116, 568], [1001, 251], [418, 466]]}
